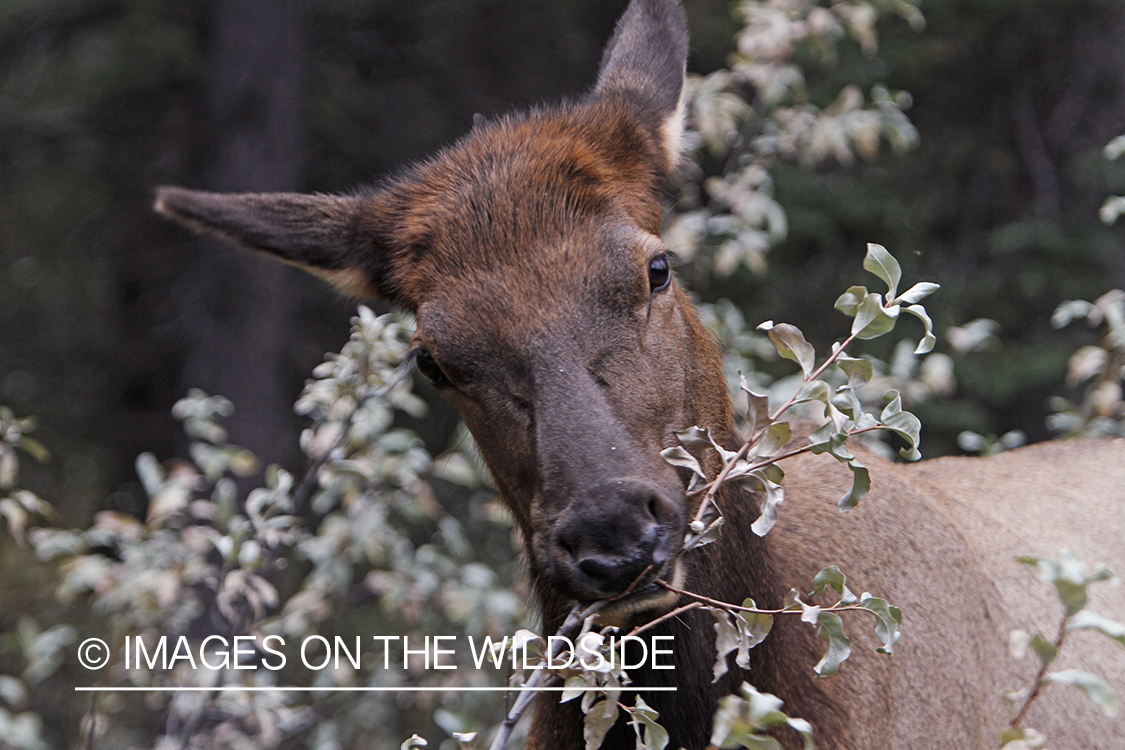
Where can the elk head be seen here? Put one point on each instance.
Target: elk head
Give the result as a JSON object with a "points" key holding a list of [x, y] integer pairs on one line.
{"points": [[546, 310]]}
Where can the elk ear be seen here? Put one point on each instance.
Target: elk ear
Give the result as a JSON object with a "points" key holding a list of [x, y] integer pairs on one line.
{"points": [[328, 235], [646, 58]]}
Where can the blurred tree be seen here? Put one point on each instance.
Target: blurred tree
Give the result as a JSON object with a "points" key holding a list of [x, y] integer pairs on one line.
{"points": [[254, 136]]}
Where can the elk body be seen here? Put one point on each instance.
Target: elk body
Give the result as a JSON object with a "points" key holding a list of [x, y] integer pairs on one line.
{"points": [[529, 253]]}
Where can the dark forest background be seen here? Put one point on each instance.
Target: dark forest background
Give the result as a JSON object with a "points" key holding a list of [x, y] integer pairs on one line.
{"points": [[108, 313]]}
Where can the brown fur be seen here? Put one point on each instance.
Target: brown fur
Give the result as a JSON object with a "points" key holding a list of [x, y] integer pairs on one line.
{"points": [[524, 251]]}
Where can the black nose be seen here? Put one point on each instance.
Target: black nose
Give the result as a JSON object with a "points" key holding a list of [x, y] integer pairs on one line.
{"points": [[610, 535]]}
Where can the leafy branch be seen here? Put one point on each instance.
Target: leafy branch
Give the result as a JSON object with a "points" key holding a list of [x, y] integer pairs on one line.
{"points": [[205, 559], [755, 463], [758, 112], [21, 506], [744, 626], [1069, 577]]}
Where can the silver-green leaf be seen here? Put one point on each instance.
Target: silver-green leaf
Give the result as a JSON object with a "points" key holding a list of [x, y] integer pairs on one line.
{"points": [[758, 407], [872, 319], [830, 628], [774, 495], [928, 340], [1092, 685], [888, 620], [655, 736], [861, 485], [677, 455], [1086, 620], [905, 424], [859, 371], [849, 302], [599, 719], [881, 263], [833, 577], [791, 345], [918, 292]]}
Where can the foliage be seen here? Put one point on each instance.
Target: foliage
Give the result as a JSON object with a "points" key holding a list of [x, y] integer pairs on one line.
{"points": [[744, 720], [1114, 205], [1069, 577], [360, 544], [1100, 368], [282, 559], [37, 653], [21, 506], [287, 559], [967, 206], [758, 110], [843, 416], [363, 542]]}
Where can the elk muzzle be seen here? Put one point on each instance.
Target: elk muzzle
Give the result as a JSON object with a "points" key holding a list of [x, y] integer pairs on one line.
{"points": [[615, 537]]}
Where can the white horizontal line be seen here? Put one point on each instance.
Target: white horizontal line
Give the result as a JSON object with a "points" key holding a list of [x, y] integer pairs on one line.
{"points": [[286, 689]]}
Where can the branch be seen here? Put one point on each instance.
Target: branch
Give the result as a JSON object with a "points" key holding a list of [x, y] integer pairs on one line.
{"points": [[667, 616], [712, 488], [705, 601], [578, 615], [573, 622], [1039, 684]]}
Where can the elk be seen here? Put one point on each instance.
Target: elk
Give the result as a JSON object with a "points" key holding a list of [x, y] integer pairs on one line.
{"points": [[530, 254]]}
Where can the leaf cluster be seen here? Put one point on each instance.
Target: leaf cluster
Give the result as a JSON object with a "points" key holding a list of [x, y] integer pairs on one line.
{"points": [[843, 415], [759, 111], [1099, 368]]}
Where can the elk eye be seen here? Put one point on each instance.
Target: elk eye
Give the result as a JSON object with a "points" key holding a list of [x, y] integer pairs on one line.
{"points": [[428, 366], [659, 274]]}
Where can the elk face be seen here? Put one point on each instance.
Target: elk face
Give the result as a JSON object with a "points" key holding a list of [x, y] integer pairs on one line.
{"points": [[570, 365], [545, 306]]}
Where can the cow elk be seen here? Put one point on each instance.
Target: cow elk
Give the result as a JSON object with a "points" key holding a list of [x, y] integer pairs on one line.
{"points": [[530, 254]]}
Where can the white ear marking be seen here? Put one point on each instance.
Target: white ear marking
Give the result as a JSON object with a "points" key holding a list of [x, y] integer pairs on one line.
{"points": [[672, 131]]}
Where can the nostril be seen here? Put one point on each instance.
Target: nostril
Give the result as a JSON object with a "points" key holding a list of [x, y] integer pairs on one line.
{"points": [[610, 574], [595, 567]]}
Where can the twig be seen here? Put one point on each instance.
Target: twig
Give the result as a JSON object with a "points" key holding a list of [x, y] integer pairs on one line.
{"points": [[706, 600], [578, 615], [1039, 684], [92, 726], [712, 488], [195, 720], [667, 616], [775, 459], [573, 622]]}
